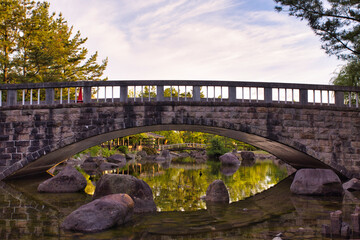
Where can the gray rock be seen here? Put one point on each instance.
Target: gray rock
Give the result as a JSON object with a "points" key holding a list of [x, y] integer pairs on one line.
{"points": [[229, 159], [137, 189], [91, 164], [68, 180], [130, 156], [325, 230], [184, 155], [117, 159], [100, 214], [165, 154], [247, 156], [142, 154], [248, 159], [316, 182], [160, 159], [217, 192], [336, 222], [109, 166], [352, 185], [345, 230]]}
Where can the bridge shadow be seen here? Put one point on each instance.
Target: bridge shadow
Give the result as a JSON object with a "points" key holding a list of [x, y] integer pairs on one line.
{"points": [[289, 155]]}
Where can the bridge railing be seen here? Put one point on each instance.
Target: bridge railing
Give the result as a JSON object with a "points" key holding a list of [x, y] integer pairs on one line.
{"points": [[176, 90], [182, 145]]}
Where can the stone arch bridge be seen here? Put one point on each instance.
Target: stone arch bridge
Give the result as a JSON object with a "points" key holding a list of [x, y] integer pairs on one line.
{"points": [[303, 125]]}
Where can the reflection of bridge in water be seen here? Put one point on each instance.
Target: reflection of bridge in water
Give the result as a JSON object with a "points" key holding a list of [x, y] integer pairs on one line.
{"points": [[316, 126], [182, 146], [30, 214]]}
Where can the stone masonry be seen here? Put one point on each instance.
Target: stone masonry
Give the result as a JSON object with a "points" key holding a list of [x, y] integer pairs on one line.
{"points": [[32, 138]]}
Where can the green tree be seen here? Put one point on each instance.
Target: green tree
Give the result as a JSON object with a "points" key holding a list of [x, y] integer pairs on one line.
{"points": [[335, 21], [217, 147], [36, 46], [349, 74]]}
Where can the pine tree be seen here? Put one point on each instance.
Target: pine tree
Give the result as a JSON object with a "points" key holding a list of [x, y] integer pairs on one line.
{"points": [[36, 46], [337, 22]]}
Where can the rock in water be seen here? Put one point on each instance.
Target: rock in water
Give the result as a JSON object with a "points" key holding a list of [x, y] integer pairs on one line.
{"points": [[101, 214], [246, 155], [137, 189], [229, 159], [316, 182], [117, 159], [165, 154], [91, 164], [248, 158], [352, 185], [68, 180], [217, 192], [108, 166]]}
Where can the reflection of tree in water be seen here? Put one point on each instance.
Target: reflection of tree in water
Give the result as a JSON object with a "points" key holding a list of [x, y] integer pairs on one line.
{"points": [[180, 189]]}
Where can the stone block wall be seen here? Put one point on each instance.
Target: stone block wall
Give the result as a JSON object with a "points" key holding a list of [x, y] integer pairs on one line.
{"points": [[318, 136]]}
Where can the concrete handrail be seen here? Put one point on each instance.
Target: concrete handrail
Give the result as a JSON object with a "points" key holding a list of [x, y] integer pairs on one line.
{"points": [[177, 90], [182, 145]]}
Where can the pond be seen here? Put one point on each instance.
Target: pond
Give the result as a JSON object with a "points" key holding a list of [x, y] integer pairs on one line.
{"points": [[177, 190]]}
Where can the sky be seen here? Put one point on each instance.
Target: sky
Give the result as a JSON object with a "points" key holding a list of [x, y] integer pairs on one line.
{"points": [[244, 40]]}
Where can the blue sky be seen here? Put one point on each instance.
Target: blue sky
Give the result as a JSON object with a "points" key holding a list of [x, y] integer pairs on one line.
{"points": [[243, 40]]}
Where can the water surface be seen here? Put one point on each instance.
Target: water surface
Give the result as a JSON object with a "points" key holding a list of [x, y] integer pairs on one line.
{"points": [[26, 214]]}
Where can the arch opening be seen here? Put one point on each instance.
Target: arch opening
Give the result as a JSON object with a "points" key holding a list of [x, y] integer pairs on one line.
{"points": [[289, 155]]}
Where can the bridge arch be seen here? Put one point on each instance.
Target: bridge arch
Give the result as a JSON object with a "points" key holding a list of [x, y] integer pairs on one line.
{"points": [[293, 157]]}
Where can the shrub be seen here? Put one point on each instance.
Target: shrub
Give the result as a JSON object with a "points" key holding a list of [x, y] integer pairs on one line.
{"points": [[122, 149], [216, 148], [149, 150]]}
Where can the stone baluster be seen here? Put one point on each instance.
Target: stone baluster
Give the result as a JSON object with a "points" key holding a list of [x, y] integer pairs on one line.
{"points": [[339, 99], [196, 93], [87, 95], [11, 99], [124, 93], [303, 96], [160, 93]]}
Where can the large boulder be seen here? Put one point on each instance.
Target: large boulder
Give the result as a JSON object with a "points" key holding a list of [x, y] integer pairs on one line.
{"points": [[352, 185], [316, 182], [229, 159], [100, 214], [68, 180], [137, 189], [217, 192]]}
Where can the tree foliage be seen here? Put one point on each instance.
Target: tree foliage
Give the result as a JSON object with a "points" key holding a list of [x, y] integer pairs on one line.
{"points": [[217, 147], [335, 21], [349, 75], [36, 46]]}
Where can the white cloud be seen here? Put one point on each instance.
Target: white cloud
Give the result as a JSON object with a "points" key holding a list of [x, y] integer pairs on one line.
{"points": [[197, 39]]}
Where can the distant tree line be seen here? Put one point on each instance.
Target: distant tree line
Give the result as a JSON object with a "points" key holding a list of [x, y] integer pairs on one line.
{"points": [[39, 46]]}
